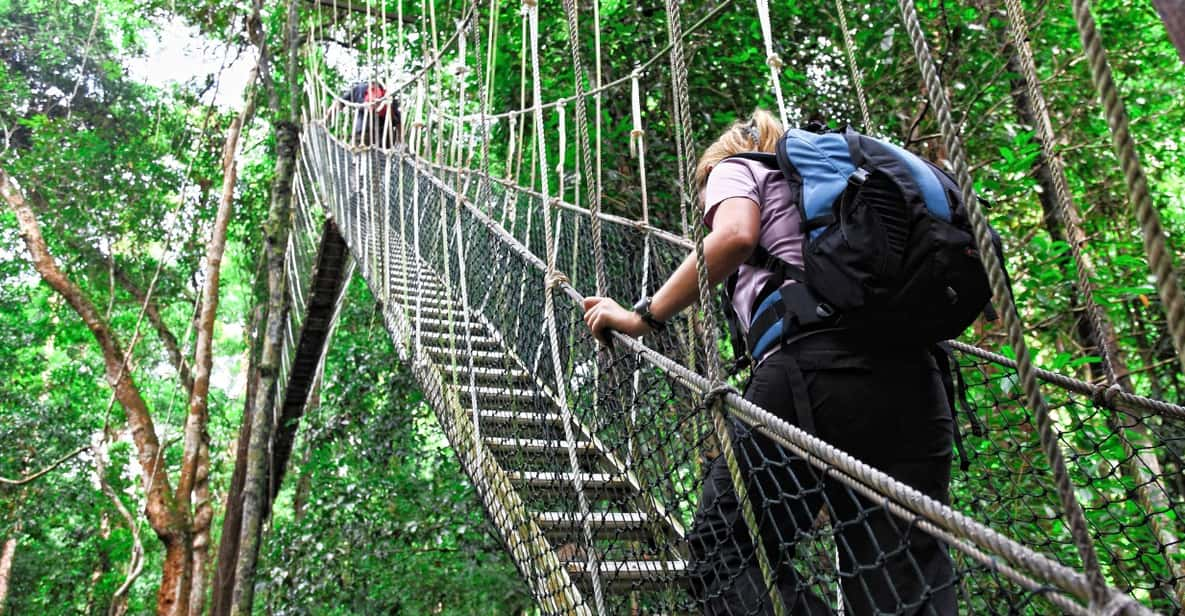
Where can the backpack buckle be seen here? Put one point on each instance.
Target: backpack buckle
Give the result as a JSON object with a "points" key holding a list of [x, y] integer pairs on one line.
{"points": [[858, 177]]}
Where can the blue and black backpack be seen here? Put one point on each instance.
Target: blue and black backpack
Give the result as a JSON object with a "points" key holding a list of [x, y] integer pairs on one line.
{"points": [[887, 247]]}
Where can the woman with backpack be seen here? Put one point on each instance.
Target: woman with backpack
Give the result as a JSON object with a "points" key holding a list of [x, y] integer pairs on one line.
{"points": [[885, 404]]}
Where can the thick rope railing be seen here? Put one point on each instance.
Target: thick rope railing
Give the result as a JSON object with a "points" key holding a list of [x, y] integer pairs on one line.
{"points": [[703, 315], [1160, 256], [849, 470], [1035, 402]]}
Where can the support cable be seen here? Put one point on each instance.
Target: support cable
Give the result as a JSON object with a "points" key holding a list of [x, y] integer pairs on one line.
{"points": [[1160, 256], [1075, 518], [857, 75], [1151, 492], [551, 281], [772, 59], [712, 399], [591, 180]]}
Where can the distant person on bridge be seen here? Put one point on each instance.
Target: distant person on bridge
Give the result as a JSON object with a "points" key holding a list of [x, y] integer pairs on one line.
{"points": [[885, 404], [376, 116]]}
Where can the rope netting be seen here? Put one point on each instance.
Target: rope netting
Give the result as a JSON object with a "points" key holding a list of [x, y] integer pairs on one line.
{"points": [[614, 484]]}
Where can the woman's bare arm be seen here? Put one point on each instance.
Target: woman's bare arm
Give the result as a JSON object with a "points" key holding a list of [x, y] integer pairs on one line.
{"points": [[735, 230]]}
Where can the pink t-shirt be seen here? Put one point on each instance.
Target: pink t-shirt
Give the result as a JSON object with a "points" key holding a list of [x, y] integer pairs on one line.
{"points": [[781, 229]]}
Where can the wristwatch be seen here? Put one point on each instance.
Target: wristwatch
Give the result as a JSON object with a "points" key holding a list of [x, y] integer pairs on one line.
{"points": [[643, 310]]}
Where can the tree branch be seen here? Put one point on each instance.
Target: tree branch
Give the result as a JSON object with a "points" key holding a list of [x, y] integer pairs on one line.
{"points": [[151, 310], [44, 471]]}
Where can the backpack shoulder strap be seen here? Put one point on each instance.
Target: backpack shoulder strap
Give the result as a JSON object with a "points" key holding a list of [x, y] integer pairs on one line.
{"points": [[768, 261]]}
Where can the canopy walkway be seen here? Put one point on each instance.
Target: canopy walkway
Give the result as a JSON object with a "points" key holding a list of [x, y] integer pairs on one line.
{"points": [[589, 461]]}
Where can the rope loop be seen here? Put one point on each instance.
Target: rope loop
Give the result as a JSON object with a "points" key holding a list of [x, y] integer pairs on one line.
{"points": [[556, 278], [718, 391], [1105, 395]]}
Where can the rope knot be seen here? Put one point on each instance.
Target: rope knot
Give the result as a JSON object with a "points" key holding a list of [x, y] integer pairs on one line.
{"points": [[719, 390], [555, 278], [775, 61], [1105, 396]]}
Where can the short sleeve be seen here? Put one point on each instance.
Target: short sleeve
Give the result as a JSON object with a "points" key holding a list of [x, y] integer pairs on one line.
{"points": [[730, 178]]}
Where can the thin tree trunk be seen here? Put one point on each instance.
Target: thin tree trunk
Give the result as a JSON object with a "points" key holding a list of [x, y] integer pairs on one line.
{"points": [[203, 516], [7, 557], [276, 229], [195, 465], [196, 419], [101, 564], [255, 487], [119, 599], [232, 519]]}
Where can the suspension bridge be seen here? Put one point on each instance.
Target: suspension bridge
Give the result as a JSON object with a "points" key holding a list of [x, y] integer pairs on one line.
{"points": [[589, 460]]}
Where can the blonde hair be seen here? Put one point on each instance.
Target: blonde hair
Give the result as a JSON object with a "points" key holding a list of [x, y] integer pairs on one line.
{"points": [[758, 133]]}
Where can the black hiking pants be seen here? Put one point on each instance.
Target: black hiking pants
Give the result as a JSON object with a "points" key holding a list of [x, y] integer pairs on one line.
{"points": [[888, 409]]}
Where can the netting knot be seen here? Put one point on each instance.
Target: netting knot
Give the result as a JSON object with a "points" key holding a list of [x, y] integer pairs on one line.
{"points": [[556, 278], [1105, 396], [775, 61]]}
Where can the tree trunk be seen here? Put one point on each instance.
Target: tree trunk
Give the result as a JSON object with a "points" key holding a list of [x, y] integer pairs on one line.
{"points": [[7, 557], [256, 493], [203, 516], [232, 520], [1172, 13], [255, 487]]}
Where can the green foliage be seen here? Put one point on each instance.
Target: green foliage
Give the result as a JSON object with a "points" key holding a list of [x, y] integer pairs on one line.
{"points": [[377, 515]]}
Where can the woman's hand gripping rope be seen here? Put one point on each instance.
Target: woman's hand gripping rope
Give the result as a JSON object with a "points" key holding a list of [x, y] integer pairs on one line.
{"points": [[603, 313]]}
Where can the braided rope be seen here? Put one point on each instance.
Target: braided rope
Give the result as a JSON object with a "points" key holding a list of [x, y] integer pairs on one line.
{"points": [[772, 59], [592, 186], [1160, 257], [1150, 490], [1034, 400], [1067, 210], [551, 280], [852, 471], [1114, 398], [857, 75], [712, 399]]}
